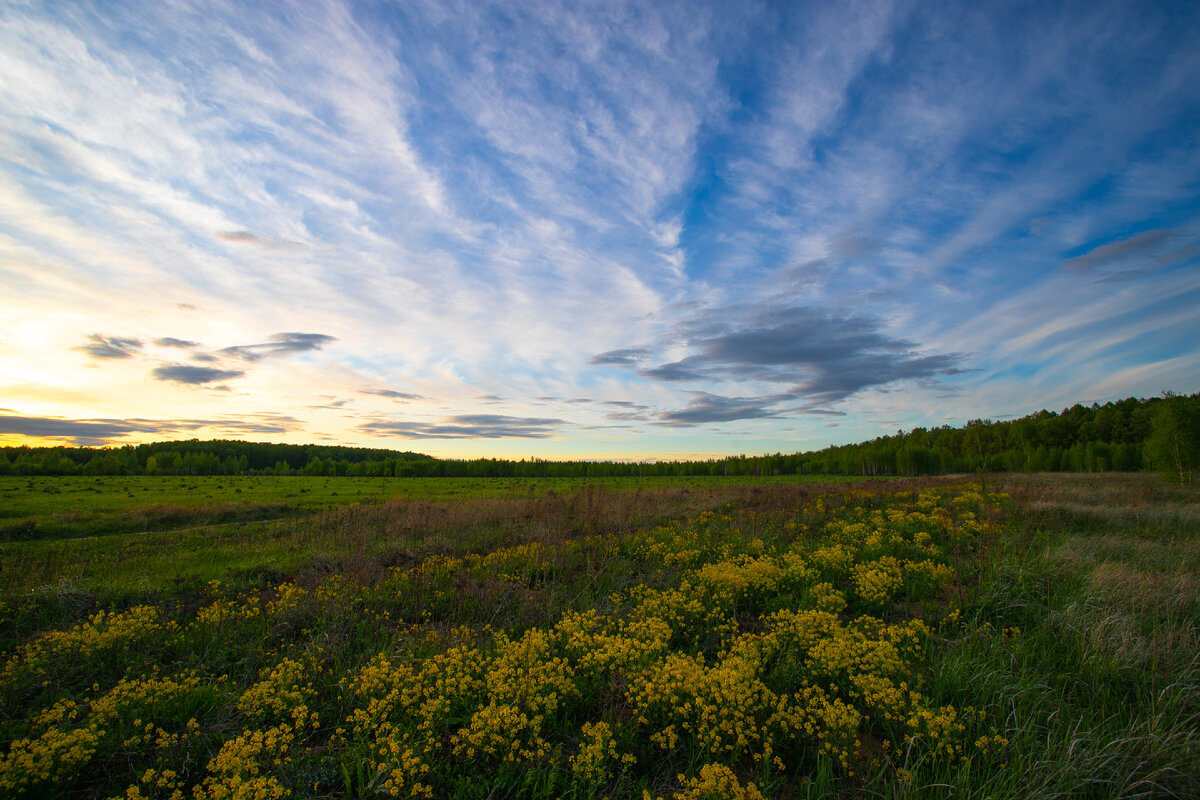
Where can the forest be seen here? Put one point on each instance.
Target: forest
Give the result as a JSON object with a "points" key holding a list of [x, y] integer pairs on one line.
{"points": [[1158, 433]]}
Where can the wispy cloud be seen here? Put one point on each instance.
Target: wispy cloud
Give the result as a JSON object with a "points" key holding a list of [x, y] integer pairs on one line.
{"points": [[392, 394], [331, 403], [279, 344], [468, 426], [625, 357], [498, 206], [1105, 254], [706, 408], [246, 237], [628, 416], [95, 432], [183, 373], [824, 356], [89, 431], [101, 346]]}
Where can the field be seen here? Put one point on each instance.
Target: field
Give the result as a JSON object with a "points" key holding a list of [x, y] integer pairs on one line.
{"points": [[75, 507], [1030, 636]]}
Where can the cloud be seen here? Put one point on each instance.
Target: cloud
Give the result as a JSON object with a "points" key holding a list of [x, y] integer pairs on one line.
{"points": [[510, 191], [825, 356], [88, 430], [246, 237], [237, 236], [625, 404], [97, 432], [629, 411], [1164, 260], [820, 412], [467, 426], [182, 373], [567, 400], [627, 416], [850, 244], [392, 393], [705, 408], [671, 372], [332, 404], [279, 344], [100, 346], [168, 341], [265, 422], [1120, 250], [625, 357]]}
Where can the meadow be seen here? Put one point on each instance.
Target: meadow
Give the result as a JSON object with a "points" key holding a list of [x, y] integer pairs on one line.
{"points": [[1026, 636], [57, 507]]}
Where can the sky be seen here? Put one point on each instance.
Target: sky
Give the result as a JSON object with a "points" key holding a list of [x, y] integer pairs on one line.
{"points": [[599, 230]]}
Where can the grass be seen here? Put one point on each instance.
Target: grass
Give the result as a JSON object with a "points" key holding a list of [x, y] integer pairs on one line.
{"points": [[55, 507], [586, 640], [1100, 687]]}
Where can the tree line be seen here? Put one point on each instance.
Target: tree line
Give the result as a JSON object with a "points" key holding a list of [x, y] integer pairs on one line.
{"points": [[1159, 433], [195, 457]]}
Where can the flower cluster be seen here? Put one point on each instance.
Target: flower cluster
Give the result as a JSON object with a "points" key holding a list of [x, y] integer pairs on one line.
{"points": [[597, 757], [71, 734], [716, 782], [101, 634], [241, 769], [281, 689]]}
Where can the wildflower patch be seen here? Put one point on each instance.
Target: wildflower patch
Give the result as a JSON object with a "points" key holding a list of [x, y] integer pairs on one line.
{"points": [[737, 654]]}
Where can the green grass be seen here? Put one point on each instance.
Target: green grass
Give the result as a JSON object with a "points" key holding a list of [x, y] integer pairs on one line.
{"points": [[71, 507], [41, 579], [1073, 625], [1099, 688]]}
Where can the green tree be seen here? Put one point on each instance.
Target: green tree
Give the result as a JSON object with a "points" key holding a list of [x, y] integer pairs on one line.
{"points": [[1173, 447]]}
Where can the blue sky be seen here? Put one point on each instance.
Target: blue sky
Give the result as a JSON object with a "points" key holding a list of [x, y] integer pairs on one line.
{"points": [[590, 229]]}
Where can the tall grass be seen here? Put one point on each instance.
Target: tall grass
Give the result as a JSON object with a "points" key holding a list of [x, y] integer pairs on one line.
{"points": [[1083, 632]]}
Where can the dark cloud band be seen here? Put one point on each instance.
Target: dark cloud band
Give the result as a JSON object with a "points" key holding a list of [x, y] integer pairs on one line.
{"points": [[627, 357], [467, 426], [392, 393], [96, 432], [279, 344], [182, 373], [705, 408], [821, 356]]}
